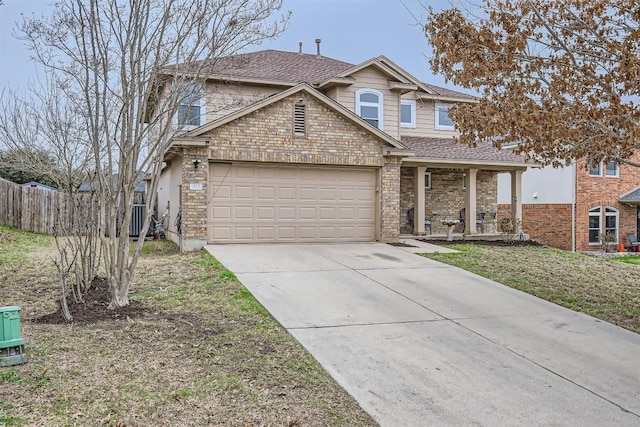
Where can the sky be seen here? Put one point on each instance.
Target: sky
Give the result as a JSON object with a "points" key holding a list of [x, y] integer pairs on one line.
{"points": [[350, 30]]}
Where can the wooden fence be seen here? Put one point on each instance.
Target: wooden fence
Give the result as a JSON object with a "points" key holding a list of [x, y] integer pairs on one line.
{"points": [[43, 211], [33, 209]]}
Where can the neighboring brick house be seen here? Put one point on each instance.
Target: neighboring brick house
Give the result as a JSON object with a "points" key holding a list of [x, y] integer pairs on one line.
{"points": [[293, 147], [573, 207]]}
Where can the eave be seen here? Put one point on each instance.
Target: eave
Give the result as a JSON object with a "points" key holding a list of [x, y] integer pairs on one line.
{"points": [[497, 165]]}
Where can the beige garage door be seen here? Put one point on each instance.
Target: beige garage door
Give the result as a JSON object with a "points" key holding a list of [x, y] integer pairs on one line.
{"points": [[251, 203]]}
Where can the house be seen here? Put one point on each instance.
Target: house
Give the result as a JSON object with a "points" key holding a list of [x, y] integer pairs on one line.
{"points": [[573, 207], [295, 147], [39, 186]]}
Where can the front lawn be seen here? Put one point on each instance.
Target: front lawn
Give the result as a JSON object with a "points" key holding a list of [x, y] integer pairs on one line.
{"points": [[606, 288], [194, 348]]}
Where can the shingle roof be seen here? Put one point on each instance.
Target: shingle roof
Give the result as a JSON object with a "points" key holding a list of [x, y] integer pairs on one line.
{"points": [[443, 91], [446, 148], [279, 65], [292, 67], [633, 196]]}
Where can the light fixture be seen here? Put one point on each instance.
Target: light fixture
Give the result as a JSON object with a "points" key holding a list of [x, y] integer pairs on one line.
{"points": [[196, 163]]}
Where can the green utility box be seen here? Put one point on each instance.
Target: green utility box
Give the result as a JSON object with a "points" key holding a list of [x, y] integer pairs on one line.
{"points": [[11, 343]]}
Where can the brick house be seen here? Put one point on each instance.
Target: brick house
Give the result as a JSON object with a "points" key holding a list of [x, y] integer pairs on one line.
{"points": [[294, 147], [575, 206]]}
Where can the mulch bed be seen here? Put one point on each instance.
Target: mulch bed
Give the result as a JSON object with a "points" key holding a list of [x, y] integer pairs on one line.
{"points": [[512, 243], [94, 308]]}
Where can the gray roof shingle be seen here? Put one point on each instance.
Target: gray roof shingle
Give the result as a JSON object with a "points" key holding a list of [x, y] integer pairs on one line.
{"points": [[633, 196], [293, 67], [279, 65], [446, 148]]}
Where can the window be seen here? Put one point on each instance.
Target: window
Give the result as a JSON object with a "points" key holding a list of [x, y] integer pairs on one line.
{"points": [[408, 113], [596, 230], [427, 180], [612, 169], [594, 226], [191, 108], [369, 106], [611, 224], [443, 121]]}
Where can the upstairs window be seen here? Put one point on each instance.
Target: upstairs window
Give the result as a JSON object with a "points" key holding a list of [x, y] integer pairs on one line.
{"points": [[191, 108], [612, 169], [408, 113], [369, 106], [595, 170], [443, 121]]}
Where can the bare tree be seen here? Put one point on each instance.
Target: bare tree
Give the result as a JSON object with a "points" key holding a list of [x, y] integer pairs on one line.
{"points": [[113, 57], [44, 136], [560, 78]]}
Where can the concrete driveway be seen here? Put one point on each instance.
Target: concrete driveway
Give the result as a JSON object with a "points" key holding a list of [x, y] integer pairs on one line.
{"points": [[420, 343]]}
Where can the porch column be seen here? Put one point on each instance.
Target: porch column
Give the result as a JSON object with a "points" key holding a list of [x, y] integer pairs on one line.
{"points": [[418, 206], [516, 199], [470, 202]]}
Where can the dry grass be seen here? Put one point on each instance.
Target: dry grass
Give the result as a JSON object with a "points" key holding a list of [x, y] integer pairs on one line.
{"points": [[606, 288], [201, 351]]}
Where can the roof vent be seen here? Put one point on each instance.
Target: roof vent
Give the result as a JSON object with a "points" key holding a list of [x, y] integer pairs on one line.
{"points": [[299, 47], [318, 41]]}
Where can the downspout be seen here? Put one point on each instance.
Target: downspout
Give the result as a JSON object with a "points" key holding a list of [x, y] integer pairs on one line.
{"points": [[573, 207]]}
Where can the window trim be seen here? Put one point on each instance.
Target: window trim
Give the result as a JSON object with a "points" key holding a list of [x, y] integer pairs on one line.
{"points": [[199, 103], [439, 106], [427, 179], [596, 213], [412, 104], [591, 169], [379, 105], [602, 213], [606, 169], [610, 211]]}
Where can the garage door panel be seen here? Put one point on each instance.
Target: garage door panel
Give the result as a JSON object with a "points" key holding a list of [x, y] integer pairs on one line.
{"points": [[287, 213], [267, 213], [308, 193], [293, 204], [243, 192], [287, 193]]}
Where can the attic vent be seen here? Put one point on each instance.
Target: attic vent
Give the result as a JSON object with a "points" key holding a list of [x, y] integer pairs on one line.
{"points": [[299, 119]]}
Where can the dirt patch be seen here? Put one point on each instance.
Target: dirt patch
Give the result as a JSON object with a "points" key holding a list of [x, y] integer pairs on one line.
{"points": [[94, 308], [502, 243]]}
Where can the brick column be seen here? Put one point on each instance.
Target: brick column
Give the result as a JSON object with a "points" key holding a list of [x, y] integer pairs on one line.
{"points": [[195, 174], [390, 200]]}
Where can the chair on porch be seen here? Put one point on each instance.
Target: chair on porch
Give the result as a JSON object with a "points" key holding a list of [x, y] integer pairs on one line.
{"points": [[633, 241], [410, 216], [479, 220]]}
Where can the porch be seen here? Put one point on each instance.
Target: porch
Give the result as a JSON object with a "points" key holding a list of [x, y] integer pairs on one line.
{"points": [[448, 185]]}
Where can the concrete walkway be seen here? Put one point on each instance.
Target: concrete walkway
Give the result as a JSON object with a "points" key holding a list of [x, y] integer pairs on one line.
{"points": [[420, 343]]}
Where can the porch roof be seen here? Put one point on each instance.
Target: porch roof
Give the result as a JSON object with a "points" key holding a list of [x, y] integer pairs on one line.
{"points": [[632, 197], [448, 153]]}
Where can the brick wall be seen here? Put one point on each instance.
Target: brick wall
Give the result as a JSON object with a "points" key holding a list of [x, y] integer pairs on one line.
{"points": [[603, 191], [266, 135], [194, 201], [549, 224], [446, 196], [390, 200]]}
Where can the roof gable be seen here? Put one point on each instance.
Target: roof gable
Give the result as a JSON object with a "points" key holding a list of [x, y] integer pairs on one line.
{"points": [[302, 87]]}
